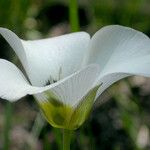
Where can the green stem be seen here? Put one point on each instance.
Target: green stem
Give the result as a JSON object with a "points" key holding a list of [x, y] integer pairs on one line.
{"points": [[66, 139], [73, 15], [7, 125]]}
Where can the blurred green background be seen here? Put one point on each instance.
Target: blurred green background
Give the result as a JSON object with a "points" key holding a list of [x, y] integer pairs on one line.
{"points": [[120, 119]]}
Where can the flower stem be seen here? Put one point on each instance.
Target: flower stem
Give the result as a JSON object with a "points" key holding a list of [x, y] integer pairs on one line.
{"points": [[73, 15], [7, 125], [67, 134]]}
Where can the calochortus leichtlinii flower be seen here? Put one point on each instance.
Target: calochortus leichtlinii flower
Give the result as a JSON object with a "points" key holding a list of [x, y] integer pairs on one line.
{"points": [[66, 74]]}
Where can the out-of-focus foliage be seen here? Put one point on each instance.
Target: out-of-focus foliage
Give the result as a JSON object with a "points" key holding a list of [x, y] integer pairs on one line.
{"points": [[13, 14], [122, 121]]}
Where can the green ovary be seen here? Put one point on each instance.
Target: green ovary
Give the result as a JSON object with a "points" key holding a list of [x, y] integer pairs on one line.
{"points": [[64, 116]]}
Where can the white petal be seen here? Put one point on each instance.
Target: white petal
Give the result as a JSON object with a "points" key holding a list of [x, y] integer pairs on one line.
{"points": [[72, 89], [108, 80], [139, 66], [16, 44], [55, 58], [49, 59], [13, 84], [120, 52], [113, 45]]}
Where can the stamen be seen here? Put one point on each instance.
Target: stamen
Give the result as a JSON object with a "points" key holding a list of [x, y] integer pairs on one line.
{"points": [[51, 80]]}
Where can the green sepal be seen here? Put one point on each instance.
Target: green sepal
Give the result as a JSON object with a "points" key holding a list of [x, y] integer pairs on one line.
{"points": [[83, 109], [64, 116]]}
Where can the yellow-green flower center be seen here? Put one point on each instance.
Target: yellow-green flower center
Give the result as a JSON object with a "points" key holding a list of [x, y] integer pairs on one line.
{"points": [[64, 116]]}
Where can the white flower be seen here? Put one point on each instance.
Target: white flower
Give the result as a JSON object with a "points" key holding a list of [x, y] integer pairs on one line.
{"points": [[68, 73]]}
